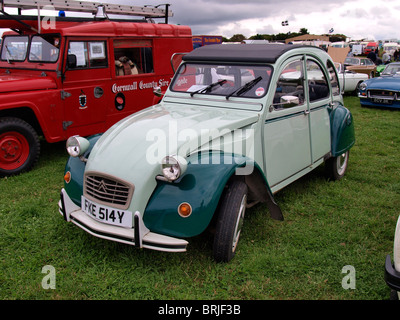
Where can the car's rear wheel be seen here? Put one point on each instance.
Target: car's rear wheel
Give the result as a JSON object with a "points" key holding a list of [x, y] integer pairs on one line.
{"points": [[230, 220], [336, 167], [19, 146]]}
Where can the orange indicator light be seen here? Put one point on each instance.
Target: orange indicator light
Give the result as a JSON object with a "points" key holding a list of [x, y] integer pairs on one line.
{"points": [[185, 209], [67, 177]]}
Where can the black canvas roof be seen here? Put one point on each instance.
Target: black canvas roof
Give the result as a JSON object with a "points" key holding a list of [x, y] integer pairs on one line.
{"points": [[268, 53]]}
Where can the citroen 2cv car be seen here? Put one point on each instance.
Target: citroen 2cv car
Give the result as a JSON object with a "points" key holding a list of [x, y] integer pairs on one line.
{"points": [[237, 124]]}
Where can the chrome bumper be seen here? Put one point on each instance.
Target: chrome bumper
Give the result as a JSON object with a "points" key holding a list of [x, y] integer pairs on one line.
{"points": [[139, 236]]}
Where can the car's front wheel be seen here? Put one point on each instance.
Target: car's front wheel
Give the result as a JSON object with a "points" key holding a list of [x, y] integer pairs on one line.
{"points": [[230, 221], [336, 167]]}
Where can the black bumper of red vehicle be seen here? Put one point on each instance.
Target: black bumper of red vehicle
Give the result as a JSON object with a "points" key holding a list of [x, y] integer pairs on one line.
{"points": [[392, 277]]}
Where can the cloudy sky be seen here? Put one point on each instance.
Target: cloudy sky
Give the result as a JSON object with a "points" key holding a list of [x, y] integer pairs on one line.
{"points": [[378, 19], [357, 19]]}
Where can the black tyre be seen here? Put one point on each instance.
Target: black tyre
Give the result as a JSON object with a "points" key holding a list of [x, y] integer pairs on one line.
{"points": [[19, 146], [229, 221], [336, 167]]}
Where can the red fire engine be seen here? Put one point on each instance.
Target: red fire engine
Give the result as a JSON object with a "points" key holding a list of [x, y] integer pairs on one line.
{"points": [[63, 76]]}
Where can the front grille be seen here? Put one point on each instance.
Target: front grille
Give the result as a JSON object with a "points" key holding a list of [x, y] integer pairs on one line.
{"points": [[383, 94], [108, 190]]}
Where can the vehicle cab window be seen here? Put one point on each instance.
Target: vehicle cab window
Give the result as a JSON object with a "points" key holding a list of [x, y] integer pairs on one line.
{"points": [[14, 48], [227, 80], [87, 54], [133, 57], [318, 87], [290, 87], [369, 62], [44, 48], [333, 78]]}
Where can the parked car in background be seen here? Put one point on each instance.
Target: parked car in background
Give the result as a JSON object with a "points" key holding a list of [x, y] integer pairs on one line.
{"points": [[392, 270], [232, 129], [371, 46], [361, 65], [357, 49], [383, 91], [379, 69], [349, 80], [390, 48]]}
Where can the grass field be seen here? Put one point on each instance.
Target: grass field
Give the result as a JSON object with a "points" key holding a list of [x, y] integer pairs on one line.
{"points": [[327, 226]]}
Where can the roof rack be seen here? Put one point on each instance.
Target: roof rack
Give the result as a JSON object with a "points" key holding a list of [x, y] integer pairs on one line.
{"points": [[99, 10], [89, 6]]}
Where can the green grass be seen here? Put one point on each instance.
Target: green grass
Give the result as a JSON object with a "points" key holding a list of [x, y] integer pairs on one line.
{"points": [[327, 226]]}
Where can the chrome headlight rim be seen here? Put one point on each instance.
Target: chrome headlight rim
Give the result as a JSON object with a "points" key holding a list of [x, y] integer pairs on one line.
{"points": [[363, 86], [173, 167], [76, 146]]}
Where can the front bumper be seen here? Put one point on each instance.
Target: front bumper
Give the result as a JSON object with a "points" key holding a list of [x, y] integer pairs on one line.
{"points": [[138, 236], [392, 277], [368, 102]]}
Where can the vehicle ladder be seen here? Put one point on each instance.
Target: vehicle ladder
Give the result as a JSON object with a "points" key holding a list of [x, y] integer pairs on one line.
{"points": [[99, 10]]}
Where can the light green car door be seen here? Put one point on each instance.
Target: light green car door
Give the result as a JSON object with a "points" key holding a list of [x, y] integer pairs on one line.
{"points": [[287, 146], [319, 99], [297, 128]]}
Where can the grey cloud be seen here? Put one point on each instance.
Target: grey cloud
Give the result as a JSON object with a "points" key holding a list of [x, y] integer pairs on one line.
{"points": [[207, 16]]}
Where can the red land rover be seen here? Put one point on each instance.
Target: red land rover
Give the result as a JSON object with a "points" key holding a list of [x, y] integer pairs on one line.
{"points": [[73, 76]]}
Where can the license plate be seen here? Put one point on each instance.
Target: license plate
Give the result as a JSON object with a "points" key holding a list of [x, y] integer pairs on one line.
{"points": [[383, 101], [105, 214]]}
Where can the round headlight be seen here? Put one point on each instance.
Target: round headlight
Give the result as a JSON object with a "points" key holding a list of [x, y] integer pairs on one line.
{"points": [[76, 146], [173, 167], [363, 86]]}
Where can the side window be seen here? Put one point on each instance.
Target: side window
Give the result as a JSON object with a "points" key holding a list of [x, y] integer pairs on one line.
{"points": [[333, 78], [318, 87], [87, 54], [44, 48], [290, 87], [133, 57], [14, 48]]}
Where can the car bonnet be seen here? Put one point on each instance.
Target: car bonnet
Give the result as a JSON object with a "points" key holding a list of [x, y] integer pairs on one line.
{"points": [[133, 148], [384, 83]]}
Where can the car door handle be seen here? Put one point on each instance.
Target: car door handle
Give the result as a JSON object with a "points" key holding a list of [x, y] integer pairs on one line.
{"points": [[306, 112]]}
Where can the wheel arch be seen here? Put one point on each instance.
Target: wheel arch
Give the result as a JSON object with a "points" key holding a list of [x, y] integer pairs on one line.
{"points": [[207, 175], [342, 130], [23, 113]]}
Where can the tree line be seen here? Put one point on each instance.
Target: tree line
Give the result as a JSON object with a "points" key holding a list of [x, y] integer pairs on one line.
{"points": [[281, 36]]}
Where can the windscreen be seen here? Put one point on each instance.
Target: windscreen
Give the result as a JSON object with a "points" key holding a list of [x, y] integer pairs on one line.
{"points": [[43, 48], [224, 80], [15, 48], [391, 69]]}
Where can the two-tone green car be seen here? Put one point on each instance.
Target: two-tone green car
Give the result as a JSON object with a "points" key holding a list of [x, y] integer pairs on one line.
{"points": [[237, 124]]}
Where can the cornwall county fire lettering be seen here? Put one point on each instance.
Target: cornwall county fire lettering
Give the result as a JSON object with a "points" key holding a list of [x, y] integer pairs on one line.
{"points": [[142, 85]]}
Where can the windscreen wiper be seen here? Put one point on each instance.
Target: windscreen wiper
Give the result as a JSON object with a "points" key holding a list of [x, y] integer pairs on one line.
{"points": [[9, 54], [246, 87], [209, 87]]}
